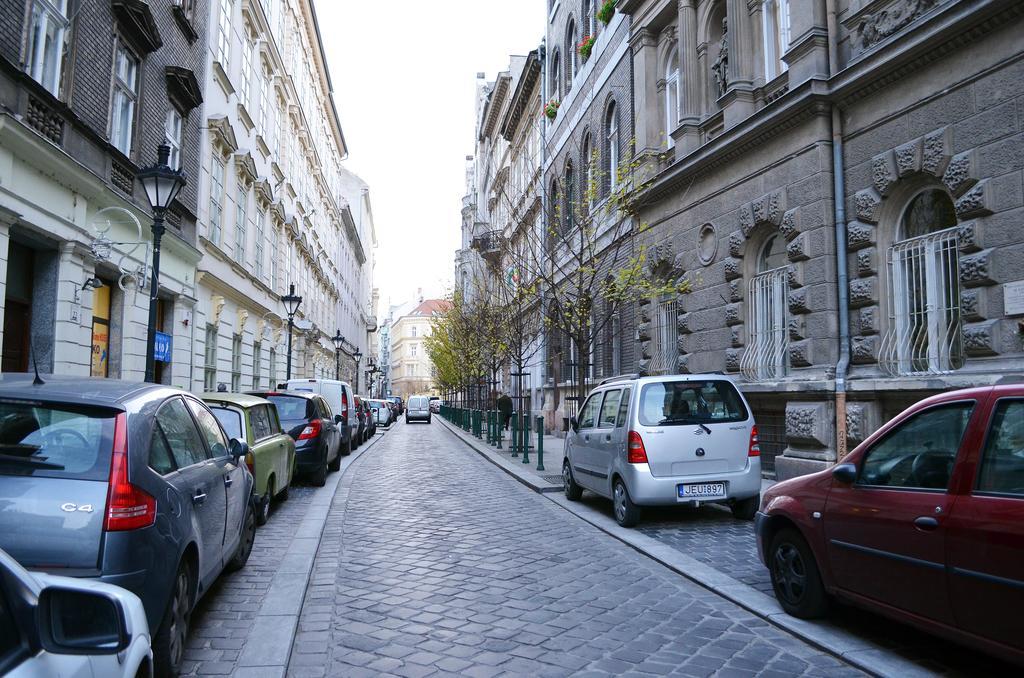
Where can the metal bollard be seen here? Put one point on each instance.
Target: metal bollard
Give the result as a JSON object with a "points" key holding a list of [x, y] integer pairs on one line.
{"points": [[515, 436], [499, 427], [540, 443], [526, 439]]}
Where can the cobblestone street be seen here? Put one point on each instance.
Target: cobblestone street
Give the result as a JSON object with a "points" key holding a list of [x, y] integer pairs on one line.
{"points": [[438, 564]]}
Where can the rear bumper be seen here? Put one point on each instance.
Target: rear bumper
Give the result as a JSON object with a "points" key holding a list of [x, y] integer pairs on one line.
{"points": [[309, 457], [646, 489], [417, 415]]}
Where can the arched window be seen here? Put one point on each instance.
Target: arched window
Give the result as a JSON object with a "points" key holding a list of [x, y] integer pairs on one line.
{"points": [[571, 54], [924, 333], [775, 17], [554, 211], [554, 76], [569, 193], [765, 356], [671, 94], [588, 160], [611, 135]]}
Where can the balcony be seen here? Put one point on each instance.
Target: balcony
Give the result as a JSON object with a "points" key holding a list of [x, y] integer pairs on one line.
{"points": [[489, 245]]}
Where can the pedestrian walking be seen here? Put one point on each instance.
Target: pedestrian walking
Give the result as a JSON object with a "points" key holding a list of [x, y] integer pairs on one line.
{"points": [[505, 407]]}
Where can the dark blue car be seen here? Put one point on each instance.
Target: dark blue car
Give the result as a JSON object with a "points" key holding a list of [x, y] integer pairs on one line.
{"points": [[129, 483]]}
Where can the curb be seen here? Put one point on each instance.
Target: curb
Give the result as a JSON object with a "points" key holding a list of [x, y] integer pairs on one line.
{"points": [[859, 653], [275, 624], [510, 467]]}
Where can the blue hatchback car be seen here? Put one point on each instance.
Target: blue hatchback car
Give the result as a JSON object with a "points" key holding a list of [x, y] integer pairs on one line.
{"points": [[128, 483]]}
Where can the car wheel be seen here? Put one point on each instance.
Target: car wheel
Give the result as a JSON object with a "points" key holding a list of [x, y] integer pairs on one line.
{"points": [[170, 638], [319, 477], [346, 449], [627, 514], [428, 420], [336, 464], [744, 509], [573, 492], [263, 505], [244, 549], [795, 577]]}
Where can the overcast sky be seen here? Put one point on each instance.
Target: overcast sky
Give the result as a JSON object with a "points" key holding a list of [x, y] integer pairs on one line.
{"points": [[404, 76]]}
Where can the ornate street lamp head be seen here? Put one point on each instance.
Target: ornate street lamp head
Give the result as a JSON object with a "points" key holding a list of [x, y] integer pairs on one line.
{"points": [[291, 301], [161, 183], [338, 340], [358, 355]]}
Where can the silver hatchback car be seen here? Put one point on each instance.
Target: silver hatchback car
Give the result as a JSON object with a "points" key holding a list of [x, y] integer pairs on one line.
{"points": [[657, 441]]}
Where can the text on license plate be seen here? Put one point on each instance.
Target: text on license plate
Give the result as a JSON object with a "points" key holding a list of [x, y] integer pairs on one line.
{"points": [[702, 490]]}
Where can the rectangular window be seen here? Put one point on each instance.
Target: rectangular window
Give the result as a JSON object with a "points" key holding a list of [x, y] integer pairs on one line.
{"points": [[775, 24], [45, 59], [765, 356], [173, 137], [258, 243], [241, 221], [245, 79], [216, 199], [412, 350], [210, 365], [274, 272], [224, 34], [122, 111], [272, 372], [236, 363], [257, 363]]}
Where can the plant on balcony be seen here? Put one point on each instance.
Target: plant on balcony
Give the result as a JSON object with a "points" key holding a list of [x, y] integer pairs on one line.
{"points": [[606, 12], [551, 109], [586, 46]]}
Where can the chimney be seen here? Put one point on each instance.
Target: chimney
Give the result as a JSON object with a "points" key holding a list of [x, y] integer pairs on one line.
{"points": [[419, 294]]}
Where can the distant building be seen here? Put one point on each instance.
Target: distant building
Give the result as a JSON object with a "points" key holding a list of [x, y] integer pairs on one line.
{"points": [[411, 369]]}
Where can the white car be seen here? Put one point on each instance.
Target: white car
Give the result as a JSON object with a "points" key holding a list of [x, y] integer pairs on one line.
{"points": [[73, 628]]}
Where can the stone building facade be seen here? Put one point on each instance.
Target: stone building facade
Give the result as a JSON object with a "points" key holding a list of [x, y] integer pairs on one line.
{"points": [[88, 91], [831, 184], [276, 208], [410, 370]]}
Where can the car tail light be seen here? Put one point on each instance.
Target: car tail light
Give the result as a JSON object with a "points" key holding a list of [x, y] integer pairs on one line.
{"points": [[312, 430], [128, 507], [249, 461], [344, 407], [755, 447], [636, 453]]}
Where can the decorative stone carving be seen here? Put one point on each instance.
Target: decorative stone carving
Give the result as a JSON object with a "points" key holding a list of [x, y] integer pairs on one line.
{"points": [[863, 292], [866, 204], [735, 291], [974, 203], [935, 151], [789, 226], [643, 366], [734, 314], [864, 350], [736, 336], [736, 243], [733, 269], [216, 307], [797, 249], [800, 354], [683, 323], [760, 209], [798, 303], [873, 28], [862, 419], [645, 350], [682, 364], [908, 158], [858, 235], [732, 359], [972, 304], [707, 244], [746, 220], [773, 211], [643, 331], [969, 236], [681, 345], [807, 423], [976, 269], [797, 327], [866, 262], [868, 321], [795, 276], [960, 173], [981, 339], [883, 172]]}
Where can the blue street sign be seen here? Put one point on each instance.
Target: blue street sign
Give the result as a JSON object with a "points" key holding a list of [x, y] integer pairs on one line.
{"points": [[162, 347]]}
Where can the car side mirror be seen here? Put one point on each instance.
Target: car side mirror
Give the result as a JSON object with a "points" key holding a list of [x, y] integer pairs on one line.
{"points": [[845, 474], [338, 419], [239, 449], [81, 622], [574, 424]]}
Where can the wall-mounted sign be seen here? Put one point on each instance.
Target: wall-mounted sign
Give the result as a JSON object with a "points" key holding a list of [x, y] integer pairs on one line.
{"points": [[1013, 298], [162, 347]]}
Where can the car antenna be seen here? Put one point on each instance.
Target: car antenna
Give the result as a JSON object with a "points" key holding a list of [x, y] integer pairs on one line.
{"points": [[38, 381]]}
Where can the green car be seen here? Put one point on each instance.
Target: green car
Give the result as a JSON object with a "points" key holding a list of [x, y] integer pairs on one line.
{"points": [[271, 458]]}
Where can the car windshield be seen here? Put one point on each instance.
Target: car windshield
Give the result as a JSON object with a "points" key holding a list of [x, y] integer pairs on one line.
{"points": [[230, 419], [289, 408], [668, 403], [43, 439]]}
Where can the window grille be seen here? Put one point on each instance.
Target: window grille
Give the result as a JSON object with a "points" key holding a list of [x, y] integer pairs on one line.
{"points": [[664, 332], [924, 334], [766, 354], [210, 366]]}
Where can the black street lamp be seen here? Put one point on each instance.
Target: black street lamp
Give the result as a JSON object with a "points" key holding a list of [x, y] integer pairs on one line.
{"points": [[357, 356], [162, 185], [291, 306], [339, 341]]}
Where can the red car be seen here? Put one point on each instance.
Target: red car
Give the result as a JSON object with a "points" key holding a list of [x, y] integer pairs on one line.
{"points": [[922, 522]]}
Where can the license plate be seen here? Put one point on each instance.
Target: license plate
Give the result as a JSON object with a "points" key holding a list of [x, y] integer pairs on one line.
{"points": [[702, 491]]}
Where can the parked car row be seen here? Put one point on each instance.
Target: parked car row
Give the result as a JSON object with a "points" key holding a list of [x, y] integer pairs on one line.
{"points": [[922, 522], [145, 493]]}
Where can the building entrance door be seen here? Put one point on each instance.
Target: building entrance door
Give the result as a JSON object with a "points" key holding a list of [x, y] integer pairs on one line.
{"points": [[18, 308]]}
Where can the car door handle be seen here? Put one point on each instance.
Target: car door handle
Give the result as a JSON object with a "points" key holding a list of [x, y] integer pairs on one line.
{"points": [[198, 498], [608, 438], [586, 439], [926, 523], [228, 480]]}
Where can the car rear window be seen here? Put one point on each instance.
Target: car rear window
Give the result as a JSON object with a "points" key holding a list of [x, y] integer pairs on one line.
{"points": [[417, 403], [677, 403], [230, 419], [55, 441], [290, 408]]}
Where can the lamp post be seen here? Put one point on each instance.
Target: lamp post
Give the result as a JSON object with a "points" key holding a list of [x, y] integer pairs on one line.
{"points": [[357, 356], [339, 341], [162, 185], [291, 306]]}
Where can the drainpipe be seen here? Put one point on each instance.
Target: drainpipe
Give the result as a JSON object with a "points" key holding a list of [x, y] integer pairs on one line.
{"points": [[842, 275], [542, 55]]}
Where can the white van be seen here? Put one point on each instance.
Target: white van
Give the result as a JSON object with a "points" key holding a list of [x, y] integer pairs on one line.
{"points": [[338, 395]]}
